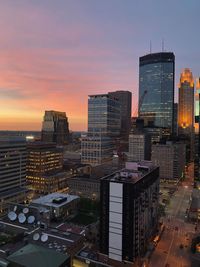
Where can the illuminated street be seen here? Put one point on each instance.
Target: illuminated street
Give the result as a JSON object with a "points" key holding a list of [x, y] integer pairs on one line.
{"points": [[174, 247]]}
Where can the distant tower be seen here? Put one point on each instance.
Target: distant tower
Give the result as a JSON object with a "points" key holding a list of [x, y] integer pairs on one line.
{"points": [[186, 110], [186, 103], [156, 76], [55, 127]]}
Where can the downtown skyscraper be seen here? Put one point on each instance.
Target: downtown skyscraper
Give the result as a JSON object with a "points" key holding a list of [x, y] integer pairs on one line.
{"points": [[104, 124], [186, 103], [156, 89], [55, 127], [186, 110], [125, 100]]}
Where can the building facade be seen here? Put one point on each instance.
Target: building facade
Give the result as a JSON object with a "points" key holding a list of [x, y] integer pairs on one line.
{"points": [[45, 168], [156, 87], [186, 109], [171, 158], [13, 158], [104, 115], [55, 127], [125, 100], [96, 149], [129, 212], [197, 132], [84, 187], [139, 146], [186, 103], [104, 124]]}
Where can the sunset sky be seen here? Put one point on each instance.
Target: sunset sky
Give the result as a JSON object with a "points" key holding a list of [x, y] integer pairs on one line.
{"points": [[54, 53]]}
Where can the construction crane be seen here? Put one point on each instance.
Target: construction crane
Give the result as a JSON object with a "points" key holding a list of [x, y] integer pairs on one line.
{"points": [[137, 110]]}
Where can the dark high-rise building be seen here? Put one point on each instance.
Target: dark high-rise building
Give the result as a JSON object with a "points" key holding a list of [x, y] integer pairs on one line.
{"points": [[125, 100], [197, 132], [13, 158], [104, 115], [104, 124], [156, 89], [129, 212], [175, 118], [55, 127]]}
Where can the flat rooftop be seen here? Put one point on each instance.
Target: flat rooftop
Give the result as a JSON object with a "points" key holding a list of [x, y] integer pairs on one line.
{"points": [[132, 173], [55, 200]]}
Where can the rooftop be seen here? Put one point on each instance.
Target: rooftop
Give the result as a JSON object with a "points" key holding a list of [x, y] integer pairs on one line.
{"points": [[55, 199], [132, 172], [32, 255]]}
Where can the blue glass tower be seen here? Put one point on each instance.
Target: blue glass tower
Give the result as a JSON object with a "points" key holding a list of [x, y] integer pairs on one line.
{"points": [[156, 84]]}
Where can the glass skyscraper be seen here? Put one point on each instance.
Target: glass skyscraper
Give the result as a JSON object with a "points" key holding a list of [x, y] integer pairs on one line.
{"points": [[156, 89], [104, 125], [104, 115]]}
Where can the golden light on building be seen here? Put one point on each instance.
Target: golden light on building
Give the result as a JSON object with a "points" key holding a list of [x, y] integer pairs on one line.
{"points": [[197, 83], [187, 77], [186, 102]]}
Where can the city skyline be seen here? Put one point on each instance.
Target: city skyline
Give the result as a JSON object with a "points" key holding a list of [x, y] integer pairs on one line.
{"points": [[54, 54]]}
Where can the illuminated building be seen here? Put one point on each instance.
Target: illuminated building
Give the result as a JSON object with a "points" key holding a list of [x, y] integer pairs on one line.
{"points": [[186, 108], [44, 168], [128, 212], [55, 127], [186, 103], [156, 77], [13, 157]]}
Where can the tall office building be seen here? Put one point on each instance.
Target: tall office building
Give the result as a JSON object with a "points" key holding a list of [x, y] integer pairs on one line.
{"points": [[104, 115], [186, 103], [186, 110], [55, 127], [175, 119], [104, 124], [13, 157], [44, 168], [197, 132], [125, 100], [128, 212], [156, 89]]}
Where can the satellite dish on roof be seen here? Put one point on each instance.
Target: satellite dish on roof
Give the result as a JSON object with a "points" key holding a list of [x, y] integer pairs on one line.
{"points": [[31, 219], [12, 215], [44, 238], [15, 208], [25, 210], [21, 218], [36, 236]]}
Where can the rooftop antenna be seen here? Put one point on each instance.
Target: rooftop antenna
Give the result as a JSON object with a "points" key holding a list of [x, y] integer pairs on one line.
{"points": [[150, 47], [163, 44]]}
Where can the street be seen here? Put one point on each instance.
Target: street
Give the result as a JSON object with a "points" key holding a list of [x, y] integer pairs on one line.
{"points": [[174, 247]]}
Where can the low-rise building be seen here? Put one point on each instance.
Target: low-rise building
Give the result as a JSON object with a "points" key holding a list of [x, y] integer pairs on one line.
{"points": [[60, 206], [84, 187], [139, 146]]}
